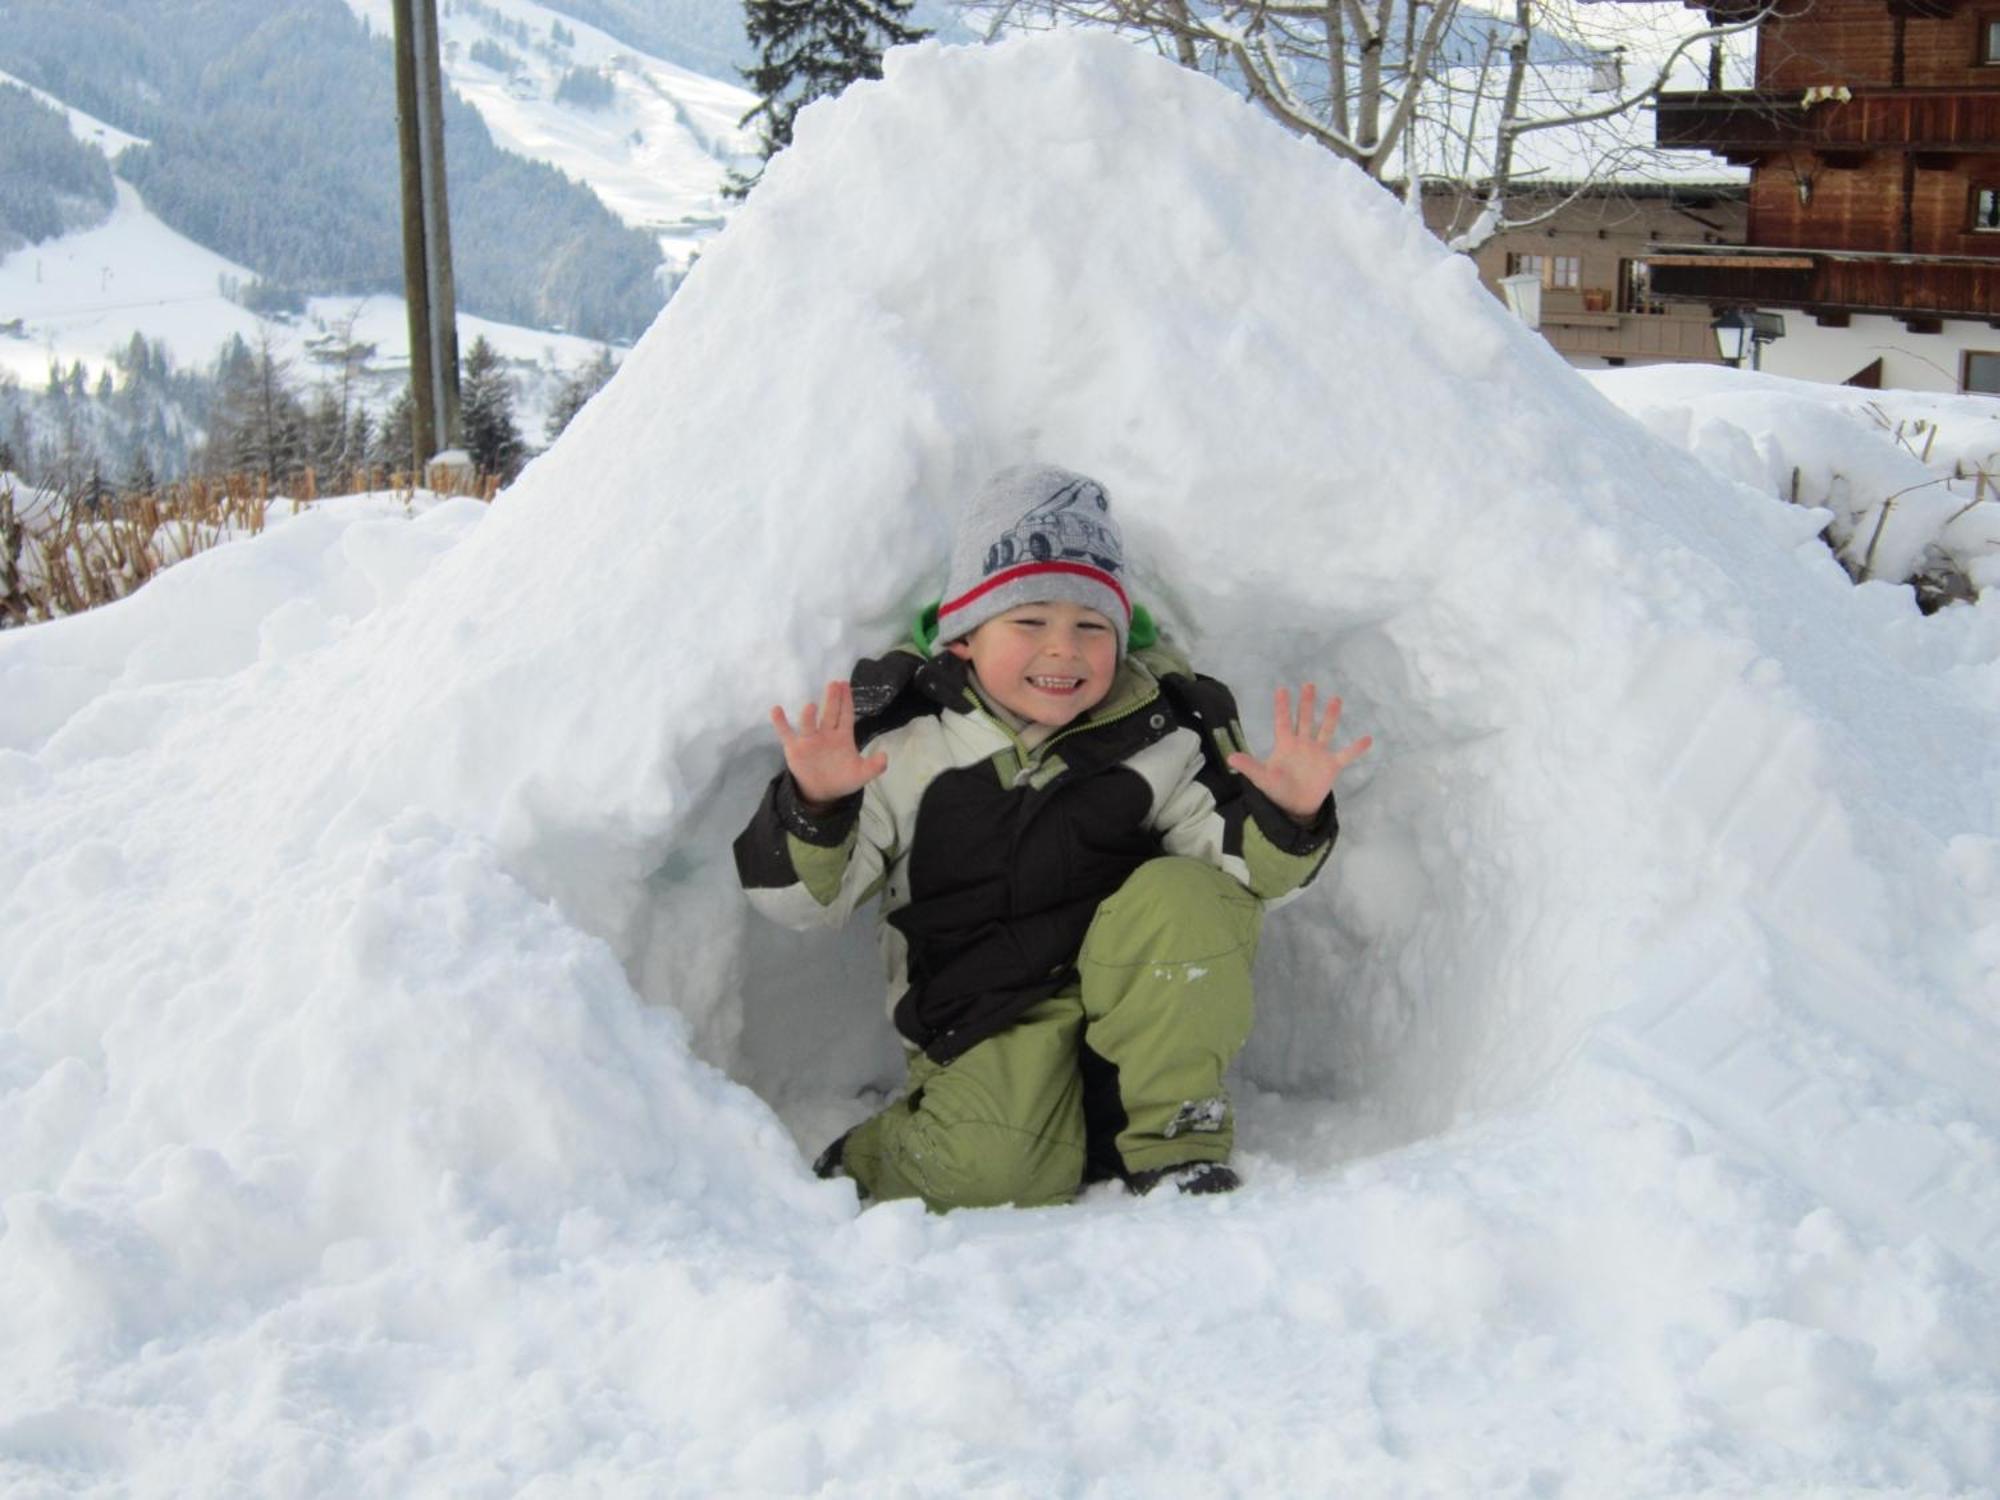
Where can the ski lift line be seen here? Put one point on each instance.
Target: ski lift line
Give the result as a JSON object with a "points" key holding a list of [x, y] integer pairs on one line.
{"points": [[125, 307], [90, 307]]}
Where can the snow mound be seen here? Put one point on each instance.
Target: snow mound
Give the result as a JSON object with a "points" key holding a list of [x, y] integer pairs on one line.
{"points": [[1903, 480], [367, 997]]}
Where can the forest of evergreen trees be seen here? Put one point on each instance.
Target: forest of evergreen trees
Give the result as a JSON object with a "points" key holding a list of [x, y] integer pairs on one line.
{"points": [[144, 422], [50, 182], [587, 88], [272, 139]]}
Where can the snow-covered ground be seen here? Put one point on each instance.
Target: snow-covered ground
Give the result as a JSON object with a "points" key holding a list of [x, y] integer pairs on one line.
{"points": [[657, 155], [396, 1096], [1904, 480]]}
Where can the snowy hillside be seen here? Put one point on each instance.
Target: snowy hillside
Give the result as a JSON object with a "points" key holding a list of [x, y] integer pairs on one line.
{"points": [[85, 127], [76, 298], [657, 157], [657, 153], [396, 1096], [79, 297]]}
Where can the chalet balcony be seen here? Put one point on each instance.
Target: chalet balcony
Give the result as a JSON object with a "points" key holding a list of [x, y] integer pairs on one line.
{"points": [[1590, 321], [1745, 123], [1821, 281]]}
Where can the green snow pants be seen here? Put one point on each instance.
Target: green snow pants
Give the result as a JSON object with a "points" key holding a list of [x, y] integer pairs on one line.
{"points": [[1125, 1065]]}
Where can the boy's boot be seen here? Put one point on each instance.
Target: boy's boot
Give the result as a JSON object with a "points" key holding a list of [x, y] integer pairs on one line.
{"points": [[1199, 1180], [832, 1163], [1165, 975]]}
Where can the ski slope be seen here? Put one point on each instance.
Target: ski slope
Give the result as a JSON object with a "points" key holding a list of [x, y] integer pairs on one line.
{"points": [[84, 126], [657, 155], [397, 1096]]}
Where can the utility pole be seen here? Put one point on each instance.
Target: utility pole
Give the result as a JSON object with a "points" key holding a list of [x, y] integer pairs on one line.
{"points": [[427, 281]]}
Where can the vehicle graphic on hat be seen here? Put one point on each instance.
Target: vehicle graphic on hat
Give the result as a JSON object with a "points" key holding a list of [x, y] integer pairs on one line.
{"points": [[1064, 526]]}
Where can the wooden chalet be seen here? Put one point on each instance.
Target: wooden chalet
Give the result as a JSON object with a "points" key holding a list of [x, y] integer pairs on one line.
{"points": [[1873, 138], [1592, 249]]}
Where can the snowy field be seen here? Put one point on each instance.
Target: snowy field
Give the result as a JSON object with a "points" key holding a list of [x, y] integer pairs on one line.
{"points": [[397, 1097]]}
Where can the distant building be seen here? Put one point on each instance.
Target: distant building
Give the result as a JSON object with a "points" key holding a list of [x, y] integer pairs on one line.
{"points": [[1594, 253], [1593, 198], [1872, 135]]}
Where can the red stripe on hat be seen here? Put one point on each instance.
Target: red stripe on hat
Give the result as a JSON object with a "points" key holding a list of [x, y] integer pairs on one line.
{"points": [[1029, 570]]}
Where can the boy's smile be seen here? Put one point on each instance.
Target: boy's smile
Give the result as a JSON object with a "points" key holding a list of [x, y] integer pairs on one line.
{"points": [[1048, 663]]}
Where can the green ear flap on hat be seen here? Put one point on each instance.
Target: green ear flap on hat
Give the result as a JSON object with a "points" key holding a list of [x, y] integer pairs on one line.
{"points": [[1138, 636], [1142, 632]]}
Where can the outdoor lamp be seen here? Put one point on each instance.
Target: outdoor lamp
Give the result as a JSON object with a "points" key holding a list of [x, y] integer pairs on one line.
{"points": [[1732, 334], [1764, 328]]}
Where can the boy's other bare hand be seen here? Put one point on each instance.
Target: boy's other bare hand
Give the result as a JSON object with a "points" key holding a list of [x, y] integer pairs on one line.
{"points": [[820, 753], [1303, 764]]}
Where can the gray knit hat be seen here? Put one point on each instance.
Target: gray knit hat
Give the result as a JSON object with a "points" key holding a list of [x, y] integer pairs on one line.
{"points": [[1035, 532]]}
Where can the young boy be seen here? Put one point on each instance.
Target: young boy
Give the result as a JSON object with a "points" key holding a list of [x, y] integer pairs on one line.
{"points": [[1073, 852]]}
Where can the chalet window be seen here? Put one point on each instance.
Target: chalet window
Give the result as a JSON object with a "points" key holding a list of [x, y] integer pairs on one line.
{"points": [[1982, 373], [1561, 271], [1635, 289], [1989, 39], [1986, 209]]}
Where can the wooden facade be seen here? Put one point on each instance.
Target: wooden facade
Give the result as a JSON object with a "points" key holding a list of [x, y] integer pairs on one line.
{"points": [[1593, 252], [1873, 138]]}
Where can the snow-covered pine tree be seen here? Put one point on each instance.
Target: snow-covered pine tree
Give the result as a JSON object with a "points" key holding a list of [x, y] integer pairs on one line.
{"points": [[576, 390], [256, 425], [486, 414], [395, 446], [140, 477], [810, 49]]}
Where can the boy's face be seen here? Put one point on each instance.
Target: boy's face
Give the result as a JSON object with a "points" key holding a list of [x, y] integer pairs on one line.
{"points": [[1049, 663]]}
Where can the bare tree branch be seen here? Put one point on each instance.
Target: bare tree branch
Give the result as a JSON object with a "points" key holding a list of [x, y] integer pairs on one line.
{"points": [[1651, 90], [1389, 84]]}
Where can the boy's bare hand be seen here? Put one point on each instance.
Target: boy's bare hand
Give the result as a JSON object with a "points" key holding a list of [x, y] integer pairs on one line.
{"points": [[820, 753], [1304, 764]]}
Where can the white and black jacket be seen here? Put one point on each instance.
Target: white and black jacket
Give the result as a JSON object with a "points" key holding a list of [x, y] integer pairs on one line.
{"points": [[991, 858]]}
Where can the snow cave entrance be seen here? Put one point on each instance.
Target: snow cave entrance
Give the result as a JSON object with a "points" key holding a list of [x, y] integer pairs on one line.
{"points": [[1388, 1005]]}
